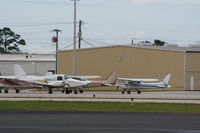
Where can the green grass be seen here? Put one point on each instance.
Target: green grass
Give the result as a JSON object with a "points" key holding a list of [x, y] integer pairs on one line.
{"points": [[99, 107]]}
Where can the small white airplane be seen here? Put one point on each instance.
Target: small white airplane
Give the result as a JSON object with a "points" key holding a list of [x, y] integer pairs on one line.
{"points": [[129, 84], [21, 80]]}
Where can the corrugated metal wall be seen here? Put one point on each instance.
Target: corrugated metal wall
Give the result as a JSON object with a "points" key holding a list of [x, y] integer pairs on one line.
{"points": [[127, 61], [193, 70], [39, 68]]}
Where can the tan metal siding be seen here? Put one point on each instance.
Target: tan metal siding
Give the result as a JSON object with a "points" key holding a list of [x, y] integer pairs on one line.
{"points": [[193, 61], [196, 80], [146, 63], [65, 63], [193, 69], [128, 62]]}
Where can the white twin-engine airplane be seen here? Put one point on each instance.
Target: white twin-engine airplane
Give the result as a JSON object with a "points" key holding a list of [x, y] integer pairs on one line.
{"points": [[129, 84], [78, 83]]}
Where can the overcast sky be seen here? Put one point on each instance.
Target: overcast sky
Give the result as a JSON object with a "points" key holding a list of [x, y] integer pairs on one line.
{"points": [[107, 22]]}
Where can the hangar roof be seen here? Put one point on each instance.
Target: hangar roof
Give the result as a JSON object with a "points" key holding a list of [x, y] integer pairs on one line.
{"points": [[165, 48], [27, 57]]}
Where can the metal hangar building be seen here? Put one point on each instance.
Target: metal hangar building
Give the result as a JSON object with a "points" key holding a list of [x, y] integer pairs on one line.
{"points": [[33, 64], [137, 62]]}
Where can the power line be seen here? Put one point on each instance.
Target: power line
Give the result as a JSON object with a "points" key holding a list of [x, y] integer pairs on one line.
{"points": [[99, 41], [88, 43], [36, 24], [68, 46], [64, 47]]}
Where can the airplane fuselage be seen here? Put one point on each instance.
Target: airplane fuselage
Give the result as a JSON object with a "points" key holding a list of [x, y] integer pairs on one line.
{"points": [[142, 85]]}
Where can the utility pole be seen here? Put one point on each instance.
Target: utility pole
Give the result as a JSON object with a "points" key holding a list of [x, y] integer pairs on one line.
{"points": [[55, 40], [132, 40], [80, 34], [74, 49]]}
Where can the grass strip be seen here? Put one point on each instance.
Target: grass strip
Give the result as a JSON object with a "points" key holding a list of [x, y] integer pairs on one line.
{"points": [[99, 107]]}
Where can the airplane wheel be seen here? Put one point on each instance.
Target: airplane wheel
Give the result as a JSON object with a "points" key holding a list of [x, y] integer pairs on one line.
{"points": [[70, 91], [138, 92], [63, 91], [16, 91], [0, 91], [81, 91], [67, 91], [50, 91], [123, 92], [75, 92], [128, 92], [6, 91]]}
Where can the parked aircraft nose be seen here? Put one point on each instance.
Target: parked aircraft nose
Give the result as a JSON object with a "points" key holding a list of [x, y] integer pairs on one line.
{"points": [[65, 83], [76, 83]]}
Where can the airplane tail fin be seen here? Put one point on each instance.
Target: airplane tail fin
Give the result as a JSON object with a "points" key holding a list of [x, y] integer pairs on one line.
{"points": [[111, 79], [166, 78], [18, 71]]}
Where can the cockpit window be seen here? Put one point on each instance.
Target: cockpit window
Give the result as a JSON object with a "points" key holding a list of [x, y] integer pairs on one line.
{"points": [[134, 82], [59, 78], [66, 77], [50, 78]]}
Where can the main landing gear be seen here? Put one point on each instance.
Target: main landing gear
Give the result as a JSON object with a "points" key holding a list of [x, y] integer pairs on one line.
{"points": [[68, 91], [17, 91], [129, 92], [6, 91], [50, 91], [75, 91], [81, 91]]}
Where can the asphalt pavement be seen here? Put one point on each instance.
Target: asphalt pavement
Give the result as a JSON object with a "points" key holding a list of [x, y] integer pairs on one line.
{"points": [[97, 122], [192, 97]]}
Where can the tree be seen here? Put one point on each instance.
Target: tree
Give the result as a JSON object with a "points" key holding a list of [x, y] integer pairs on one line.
{"points": [[145, 42], [9, 41], [159, 43]]}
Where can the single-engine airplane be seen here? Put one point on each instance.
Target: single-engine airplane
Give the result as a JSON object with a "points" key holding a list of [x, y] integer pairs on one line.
{"points": [[129, 84]]}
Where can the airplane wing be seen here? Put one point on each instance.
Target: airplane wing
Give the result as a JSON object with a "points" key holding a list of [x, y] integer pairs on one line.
{"points": [[86, 77], [136, 79]]}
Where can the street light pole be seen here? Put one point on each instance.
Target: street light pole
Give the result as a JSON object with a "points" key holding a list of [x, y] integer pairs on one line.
{"points": [[55, 39], [74, 49]]}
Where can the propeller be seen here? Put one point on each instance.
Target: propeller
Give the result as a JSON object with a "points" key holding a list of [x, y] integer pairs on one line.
{"points": [[66, 84]]}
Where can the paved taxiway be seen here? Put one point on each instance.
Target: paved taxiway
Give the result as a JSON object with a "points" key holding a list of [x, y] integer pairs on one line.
{"points": [[153, 97], [97, 122]]}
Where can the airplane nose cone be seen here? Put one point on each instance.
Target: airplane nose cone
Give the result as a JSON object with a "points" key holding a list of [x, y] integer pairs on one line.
{"points": [[85, 84], [65, 83]]}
